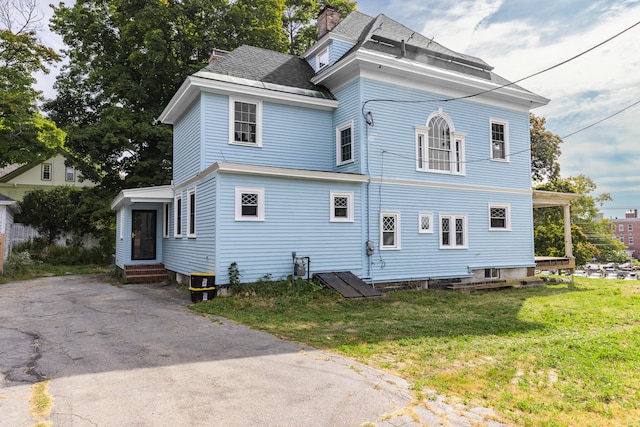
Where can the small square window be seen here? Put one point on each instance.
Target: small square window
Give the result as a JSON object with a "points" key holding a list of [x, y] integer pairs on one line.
{"points": [[425, 222], [249, 204], [341, 207], [491, 273]]}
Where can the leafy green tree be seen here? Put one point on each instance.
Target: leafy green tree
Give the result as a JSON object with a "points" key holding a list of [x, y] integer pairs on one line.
{"points": [[300, 21], [545, 151], [26, 136], [257, 23], [591, 233], [49, 211], [127, 58]]}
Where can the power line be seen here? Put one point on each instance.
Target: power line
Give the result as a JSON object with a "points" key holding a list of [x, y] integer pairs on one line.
{"points": [[602, 120], [507, 84]]}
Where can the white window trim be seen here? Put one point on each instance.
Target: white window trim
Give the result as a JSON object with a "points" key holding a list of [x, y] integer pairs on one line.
{"points": [[177, 216], [425, 215], [232, 119], [507, 208], [323, 53], [44, 166], [630, 227], [397, 245], [505, 123], [621, 227], [238, 204], [339, 129], [66, 174], [457, 162], [190, 192], [165, 220], [452, 237], [349, 196]]}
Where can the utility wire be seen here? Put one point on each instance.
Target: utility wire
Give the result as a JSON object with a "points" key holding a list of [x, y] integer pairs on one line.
{"points": [[602, 120], [507, 84]]}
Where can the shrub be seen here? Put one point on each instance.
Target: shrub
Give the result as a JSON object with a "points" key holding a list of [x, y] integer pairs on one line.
{"points": [[19, 264]]}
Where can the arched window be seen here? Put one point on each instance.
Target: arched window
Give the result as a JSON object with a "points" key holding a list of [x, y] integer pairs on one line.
{"points": [[438, 147]]}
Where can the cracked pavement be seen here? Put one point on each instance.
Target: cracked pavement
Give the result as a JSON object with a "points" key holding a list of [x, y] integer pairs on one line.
{"points": [[133, 355]]}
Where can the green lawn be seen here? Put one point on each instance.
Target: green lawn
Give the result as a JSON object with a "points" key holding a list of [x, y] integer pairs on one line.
{"points": [[543, 356]]}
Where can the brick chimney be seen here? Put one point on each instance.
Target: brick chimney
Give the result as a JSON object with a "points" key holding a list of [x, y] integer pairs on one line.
{"points": [[328, 18], [217, 54], [631, 213]]}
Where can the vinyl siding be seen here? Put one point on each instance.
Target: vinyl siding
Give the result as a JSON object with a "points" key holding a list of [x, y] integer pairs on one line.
{"points": [[297, 216], [337, 50], [123, 246], [394, 133], [186, 255], [348, 110], [292, 137], [186, 145], [420, 256]]}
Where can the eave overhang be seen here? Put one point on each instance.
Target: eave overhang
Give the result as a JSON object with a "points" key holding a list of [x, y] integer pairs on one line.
{"points": [[543, 199], [160, 194], [227, 85], [455, 85]]}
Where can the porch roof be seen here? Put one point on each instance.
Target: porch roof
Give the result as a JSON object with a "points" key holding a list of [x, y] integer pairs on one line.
{"points": [[160, 194], [542, 199]]}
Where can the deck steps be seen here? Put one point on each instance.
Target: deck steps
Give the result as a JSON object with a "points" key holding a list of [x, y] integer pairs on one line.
{"points": [[145, 273], [347, 284]]}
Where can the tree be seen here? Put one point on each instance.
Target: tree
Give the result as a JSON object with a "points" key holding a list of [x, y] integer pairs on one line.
{"points": [[300, 25], [49, 211], [257, 23], [591, 234], [545, 151], [25, 134]]}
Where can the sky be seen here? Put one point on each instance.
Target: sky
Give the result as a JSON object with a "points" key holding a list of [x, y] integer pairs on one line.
{"points": [[522, 37]]}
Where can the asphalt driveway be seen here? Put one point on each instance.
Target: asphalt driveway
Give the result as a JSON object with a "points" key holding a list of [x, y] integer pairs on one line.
{"points": [[133, 355]]}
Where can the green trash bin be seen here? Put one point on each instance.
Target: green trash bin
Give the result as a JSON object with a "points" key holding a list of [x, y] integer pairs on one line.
{"points": [[202, 286]]}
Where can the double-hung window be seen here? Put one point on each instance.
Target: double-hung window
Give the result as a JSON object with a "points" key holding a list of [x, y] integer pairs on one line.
{"points": [[630, 226], [70, 174], [46, 172], [453, 232], [438, 147], [177, 216], [344, 143], [389, 230], [245, 122], [191, 213], [249, 204], [341, 207], [499, 140], [499, 217]]}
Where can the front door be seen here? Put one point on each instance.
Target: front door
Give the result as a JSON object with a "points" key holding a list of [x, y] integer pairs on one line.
{"points": [[143, 235]]}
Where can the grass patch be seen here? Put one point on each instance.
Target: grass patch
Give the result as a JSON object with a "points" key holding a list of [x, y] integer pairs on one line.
{"points": [[543, 356], [40, 402], [43, 270]]}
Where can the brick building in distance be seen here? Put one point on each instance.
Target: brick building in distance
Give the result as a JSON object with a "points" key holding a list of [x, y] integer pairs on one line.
{"points": [[627, 230]]}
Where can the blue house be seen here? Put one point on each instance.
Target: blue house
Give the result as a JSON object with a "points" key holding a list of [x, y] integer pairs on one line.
{"points": [[379, 152]]}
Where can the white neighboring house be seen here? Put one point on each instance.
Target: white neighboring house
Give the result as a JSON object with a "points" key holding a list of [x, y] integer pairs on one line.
{"points": [[8, 208]]}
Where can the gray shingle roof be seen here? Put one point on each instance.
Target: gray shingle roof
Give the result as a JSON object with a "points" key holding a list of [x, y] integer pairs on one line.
{"points": [[252, 66], [278, 71]]}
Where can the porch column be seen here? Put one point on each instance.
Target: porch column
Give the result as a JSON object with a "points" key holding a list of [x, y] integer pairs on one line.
{"points": [[568, 243]]}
